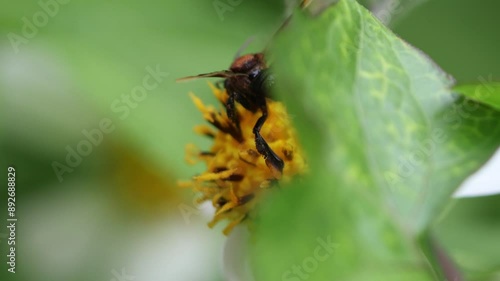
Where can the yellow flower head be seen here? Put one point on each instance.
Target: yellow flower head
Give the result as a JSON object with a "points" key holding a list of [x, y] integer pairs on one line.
{"points": [[236, 173]]}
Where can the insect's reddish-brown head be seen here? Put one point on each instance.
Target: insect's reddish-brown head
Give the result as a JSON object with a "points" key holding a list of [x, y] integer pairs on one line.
{"points": [[250, 64]]}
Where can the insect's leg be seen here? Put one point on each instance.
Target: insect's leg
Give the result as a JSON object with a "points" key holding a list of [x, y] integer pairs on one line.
{"points": [[263, 148], [232, 113]]}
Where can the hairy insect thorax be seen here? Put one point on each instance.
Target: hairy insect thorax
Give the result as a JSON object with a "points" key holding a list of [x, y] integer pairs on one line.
{"points": [[249, 88]]}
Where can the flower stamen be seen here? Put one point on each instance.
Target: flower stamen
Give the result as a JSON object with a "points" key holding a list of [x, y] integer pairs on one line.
{"points": [[236, 172]]}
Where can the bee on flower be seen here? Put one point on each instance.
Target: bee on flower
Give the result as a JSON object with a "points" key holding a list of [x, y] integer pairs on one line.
{"points": [[254, 143]]}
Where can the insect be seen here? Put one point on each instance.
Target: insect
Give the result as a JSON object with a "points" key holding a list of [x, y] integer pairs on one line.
{"points": [[248, 82]]}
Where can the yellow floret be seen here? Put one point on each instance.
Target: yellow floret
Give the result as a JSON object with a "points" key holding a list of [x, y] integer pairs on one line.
{"points": [[236, 174]]}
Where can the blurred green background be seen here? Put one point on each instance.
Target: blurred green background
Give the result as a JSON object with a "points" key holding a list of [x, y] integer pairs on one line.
{"points": [[119, 208]]}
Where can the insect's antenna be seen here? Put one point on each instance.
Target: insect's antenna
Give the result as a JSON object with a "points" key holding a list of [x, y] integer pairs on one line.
{"points": [[243, 47], [216, 74]]}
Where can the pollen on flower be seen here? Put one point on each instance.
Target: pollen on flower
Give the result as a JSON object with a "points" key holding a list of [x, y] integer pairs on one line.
{"points": [[236, 173]]}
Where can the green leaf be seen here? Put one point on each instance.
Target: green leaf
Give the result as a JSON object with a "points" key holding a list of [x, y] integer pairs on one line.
{"points": [[486, 93], [470, 233], [387, 144], [390, 11]]}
